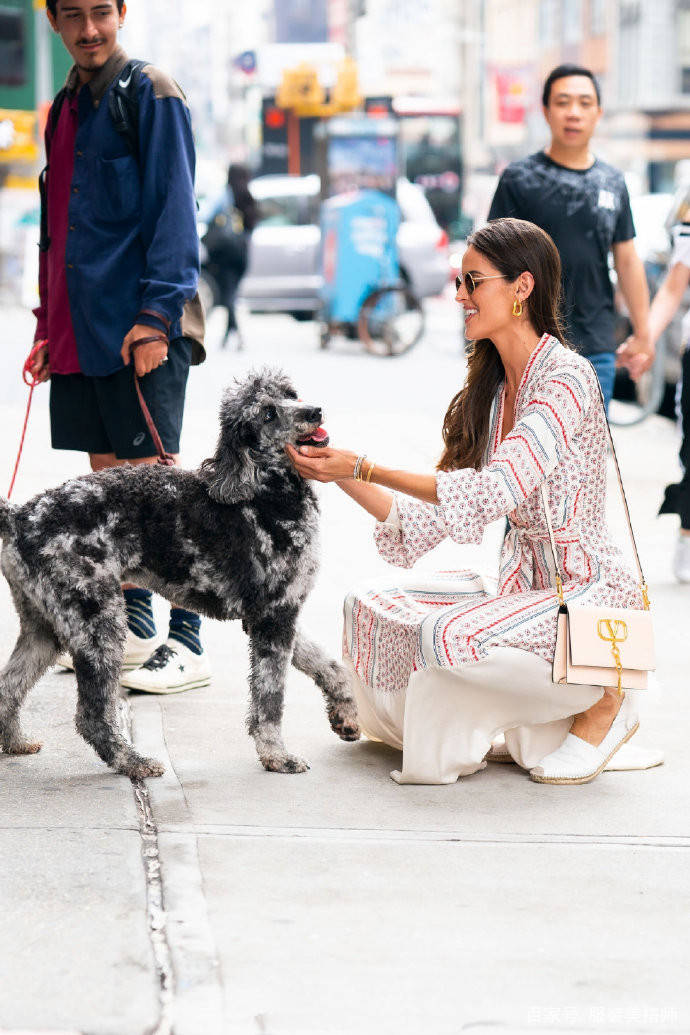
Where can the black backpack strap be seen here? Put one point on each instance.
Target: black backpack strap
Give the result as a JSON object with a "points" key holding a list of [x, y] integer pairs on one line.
{"points": [[53, 116], [123, 103]]}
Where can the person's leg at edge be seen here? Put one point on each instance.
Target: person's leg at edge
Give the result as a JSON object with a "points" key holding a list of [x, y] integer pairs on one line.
{"points": [[232, 332], [681, 557], [604, 364], [184, 625]]}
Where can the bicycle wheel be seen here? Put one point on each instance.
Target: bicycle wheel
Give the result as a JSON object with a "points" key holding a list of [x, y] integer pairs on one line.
{"points": [[391, 320], [646, 393]]}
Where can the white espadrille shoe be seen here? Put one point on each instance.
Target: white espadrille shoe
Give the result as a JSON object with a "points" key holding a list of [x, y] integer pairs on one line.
{"points": [[170, 669], [576, 761], [137, 651], [498, 752]]}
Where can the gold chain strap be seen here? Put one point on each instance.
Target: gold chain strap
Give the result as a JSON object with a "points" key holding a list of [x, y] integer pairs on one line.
{"points": [[614, 631]]}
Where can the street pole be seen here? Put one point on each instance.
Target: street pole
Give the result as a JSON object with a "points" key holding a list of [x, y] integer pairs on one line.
{"points": [[293, 142], [43, 89]]}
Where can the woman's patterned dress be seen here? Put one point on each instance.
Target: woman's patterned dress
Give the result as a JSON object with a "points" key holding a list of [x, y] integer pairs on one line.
{"points": [[559, 437]]}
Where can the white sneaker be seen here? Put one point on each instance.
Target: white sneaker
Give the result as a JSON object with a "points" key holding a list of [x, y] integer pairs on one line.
{"points": [[171, 668], [137, 651], [681, 558], [576, 761]]}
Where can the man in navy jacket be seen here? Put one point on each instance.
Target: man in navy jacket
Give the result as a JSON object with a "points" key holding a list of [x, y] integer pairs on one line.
{"points": [[120, 262]]}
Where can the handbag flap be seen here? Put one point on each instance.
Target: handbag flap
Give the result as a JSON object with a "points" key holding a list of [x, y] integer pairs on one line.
{"points": [[595, 630]]}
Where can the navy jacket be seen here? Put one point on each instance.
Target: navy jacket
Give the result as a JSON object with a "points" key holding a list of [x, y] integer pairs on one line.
{"points": [[133, 256]]}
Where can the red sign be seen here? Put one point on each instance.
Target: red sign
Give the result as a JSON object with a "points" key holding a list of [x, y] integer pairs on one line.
{"points": [[513, 90]]}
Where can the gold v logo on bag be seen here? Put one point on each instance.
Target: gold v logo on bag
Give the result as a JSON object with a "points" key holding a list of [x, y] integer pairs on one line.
{"points": [[612, 630]]}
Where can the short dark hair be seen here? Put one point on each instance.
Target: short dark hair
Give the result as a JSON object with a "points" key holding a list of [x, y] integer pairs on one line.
{"points": [[52, 6], [560, 73]]}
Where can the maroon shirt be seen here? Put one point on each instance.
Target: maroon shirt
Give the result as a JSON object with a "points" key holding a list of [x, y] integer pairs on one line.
{"points": [[53, 314]]}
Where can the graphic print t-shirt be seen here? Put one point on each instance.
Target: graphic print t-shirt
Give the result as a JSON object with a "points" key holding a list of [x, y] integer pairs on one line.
{"points": [[585, 211]]}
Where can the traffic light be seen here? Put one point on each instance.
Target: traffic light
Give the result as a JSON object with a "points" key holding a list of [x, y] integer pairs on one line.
{"points": [[300, 89], [301, 92], [346, 95]]}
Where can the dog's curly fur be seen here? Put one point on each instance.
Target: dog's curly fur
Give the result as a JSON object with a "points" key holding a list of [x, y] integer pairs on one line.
{"points": [[236, 538]]}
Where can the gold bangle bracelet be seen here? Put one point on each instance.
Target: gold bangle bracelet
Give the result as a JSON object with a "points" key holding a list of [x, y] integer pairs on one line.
{"points": [[368, 477]]}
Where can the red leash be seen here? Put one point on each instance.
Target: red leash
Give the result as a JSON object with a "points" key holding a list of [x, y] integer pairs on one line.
{"points": [[26, 374]]}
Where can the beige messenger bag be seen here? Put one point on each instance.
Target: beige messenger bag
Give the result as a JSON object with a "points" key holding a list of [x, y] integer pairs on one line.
{"points": [[603, 646]]}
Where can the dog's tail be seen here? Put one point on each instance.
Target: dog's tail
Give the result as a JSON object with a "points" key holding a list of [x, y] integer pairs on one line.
{"points": [[6, 518]]}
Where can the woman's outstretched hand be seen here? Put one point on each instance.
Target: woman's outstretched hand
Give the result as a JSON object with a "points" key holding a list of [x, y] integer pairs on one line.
{"points": [[322, 464]]}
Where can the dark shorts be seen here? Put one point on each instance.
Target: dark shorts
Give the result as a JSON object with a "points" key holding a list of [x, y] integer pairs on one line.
{"points": [[102, 414]]}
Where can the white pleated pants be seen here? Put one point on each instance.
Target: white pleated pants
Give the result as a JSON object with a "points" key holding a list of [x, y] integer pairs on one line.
{"points": [[447, 719]]}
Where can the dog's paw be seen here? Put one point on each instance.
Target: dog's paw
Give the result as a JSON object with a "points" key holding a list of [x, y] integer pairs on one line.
{"points": [[22, 747], [138, 768], [285, 764], [344, 721]]}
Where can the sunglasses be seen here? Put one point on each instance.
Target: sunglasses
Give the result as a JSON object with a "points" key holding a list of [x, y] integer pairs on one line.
{"points": [[473, 282]]}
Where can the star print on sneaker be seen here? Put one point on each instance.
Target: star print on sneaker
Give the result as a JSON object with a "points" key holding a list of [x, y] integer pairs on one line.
{"points": [[171, 668]]}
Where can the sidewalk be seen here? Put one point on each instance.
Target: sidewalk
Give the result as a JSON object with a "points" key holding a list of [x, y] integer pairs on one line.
{"points": [[337, 902]]}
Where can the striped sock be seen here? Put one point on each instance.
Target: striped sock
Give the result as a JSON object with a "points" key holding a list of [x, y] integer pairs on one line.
{"points": [[139, 612], [185, 627]]}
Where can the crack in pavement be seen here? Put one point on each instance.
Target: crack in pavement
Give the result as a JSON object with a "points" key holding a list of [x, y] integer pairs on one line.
{"points": [[190, 989], [155, 904]]}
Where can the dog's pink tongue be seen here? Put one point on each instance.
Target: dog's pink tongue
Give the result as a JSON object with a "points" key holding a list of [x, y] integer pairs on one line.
{"points": [[319, 435]]}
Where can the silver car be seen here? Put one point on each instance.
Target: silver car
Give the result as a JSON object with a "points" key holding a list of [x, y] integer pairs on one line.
{"points": [[284, 273]]}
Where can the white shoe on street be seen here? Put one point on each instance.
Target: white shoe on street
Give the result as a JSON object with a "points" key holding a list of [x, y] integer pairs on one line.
{"points": [[498, 752], [681, 558], [137, 651], [171, 668], [576, 761]]}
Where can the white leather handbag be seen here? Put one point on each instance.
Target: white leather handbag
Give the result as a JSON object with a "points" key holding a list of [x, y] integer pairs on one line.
{"points": [[603, 646]]}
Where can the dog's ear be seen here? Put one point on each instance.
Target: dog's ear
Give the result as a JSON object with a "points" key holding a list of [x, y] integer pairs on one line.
{"points": [[230, 478]]}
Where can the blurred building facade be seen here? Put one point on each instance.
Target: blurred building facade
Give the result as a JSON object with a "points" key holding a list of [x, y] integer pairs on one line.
{"points": [[486, 58], [640, 52]]}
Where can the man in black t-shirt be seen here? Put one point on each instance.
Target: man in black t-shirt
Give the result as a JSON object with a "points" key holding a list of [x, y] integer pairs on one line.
{"points": [[583, 204]]}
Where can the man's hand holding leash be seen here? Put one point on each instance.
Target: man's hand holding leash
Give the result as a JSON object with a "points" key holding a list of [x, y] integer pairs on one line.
{"points": [[39, 365], [148, 356]]}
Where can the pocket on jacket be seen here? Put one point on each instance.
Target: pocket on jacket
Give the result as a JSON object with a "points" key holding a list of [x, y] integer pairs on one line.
{"points": [[115, 188]]}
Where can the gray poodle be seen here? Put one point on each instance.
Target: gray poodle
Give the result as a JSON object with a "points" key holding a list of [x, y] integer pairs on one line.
{"points": [[235, 539]]}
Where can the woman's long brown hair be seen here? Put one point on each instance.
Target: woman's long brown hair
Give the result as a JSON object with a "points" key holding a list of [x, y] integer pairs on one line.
{"points": [[512, 246]]}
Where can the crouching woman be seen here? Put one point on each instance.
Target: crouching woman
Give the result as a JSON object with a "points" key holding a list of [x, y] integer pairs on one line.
{"points": [[443, 665]]}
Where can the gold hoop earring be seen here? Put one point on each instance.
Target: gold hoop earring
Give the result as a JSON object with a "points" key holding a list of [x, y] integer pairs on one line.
{"points": [[517, 307]]}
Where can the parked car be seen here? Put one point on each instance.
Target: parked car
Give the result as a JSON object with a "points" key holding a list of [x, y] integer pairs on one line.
{"points": [[284, 273]]}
